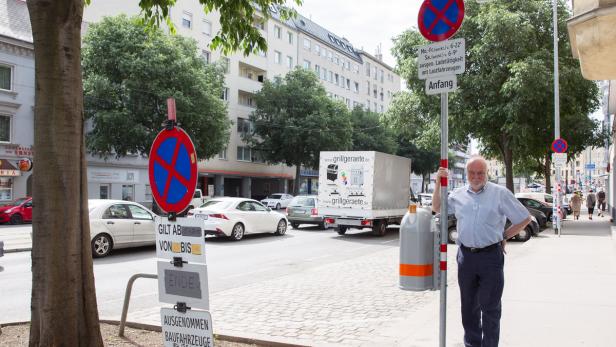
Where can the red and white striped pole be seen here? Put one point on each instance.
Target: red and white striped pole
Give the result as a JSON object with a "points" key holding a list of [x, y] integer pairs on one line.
{"points": [[444, 217]]}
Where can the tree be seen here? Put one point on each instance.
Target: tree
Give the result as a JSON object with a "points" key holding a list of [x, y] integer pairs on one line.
{"points": [[129, 71], [505, 96], [295, 120], [63, 306], [370, 133]]}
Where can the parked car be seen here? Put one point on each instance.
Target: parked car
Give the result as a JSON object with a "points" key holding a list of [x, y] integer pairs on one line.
{"points": [[119, 224], [544, 207], [277, 201], [425, 199], [547, 198], [303, 210], [17, 212], [239, 216], [541, 218]]}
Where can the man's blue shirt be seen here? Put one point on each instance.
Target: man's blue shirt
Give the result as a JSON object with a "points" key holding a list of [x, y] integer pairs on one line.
{"points": [[482, 215]]}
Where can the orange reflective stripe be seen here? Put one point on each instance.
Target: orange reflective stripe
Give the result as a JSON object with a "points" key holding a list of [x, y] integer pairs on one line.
{"points": [[416, 270]]}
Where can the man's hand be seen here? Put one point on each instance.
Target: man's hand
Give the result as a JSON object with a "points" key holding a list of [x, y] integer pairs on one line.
{"points": [[442, 172], [436, 194], [503, 244]]}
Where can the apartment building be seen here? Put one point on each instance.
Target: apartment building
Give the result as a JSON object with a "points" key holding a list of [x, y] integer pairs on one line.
{"points": [[16, 99], [350, 75]]}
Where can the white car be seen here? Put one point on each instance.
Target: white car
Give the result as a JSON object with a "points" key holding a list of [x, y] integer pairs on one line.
{"points": [[278, 201], [426, 199], [119, 224], [239, 216]]}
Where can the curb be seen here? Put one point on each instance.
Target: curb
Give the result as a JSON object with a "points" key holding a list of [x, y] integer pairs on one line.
{"points": [[150, 327], [16, 250]]}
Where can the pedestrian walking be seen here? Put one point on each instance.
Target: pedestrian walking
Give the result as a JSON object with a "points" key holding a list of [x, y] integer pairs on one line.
{"points": [[576, 205], [591, 200], [601, 202], [481, 209]]}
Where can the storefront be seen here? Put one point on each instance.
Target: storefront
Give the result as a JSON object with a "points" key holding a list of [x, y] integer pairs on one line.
{"points": [[14, 184]]}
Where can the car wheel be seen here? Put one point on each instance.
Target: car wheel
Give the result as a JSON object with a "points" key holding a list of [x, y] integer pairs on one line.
{"points": [[524, 235], [16, 219], [452, 235], [295, 225], [281, 229], [101, 245], [238, 232], [278, 206], [379, 229], [341, 230]]}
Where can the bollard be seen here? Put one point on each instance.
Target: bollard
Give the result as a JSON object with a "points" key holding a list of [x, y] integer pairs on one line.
{"points": [[417, 251]]}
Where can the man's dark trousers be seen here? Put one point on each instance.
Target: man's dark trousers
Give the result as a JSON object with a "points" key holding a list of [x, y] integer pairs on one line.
{"points": [[481, 280]]}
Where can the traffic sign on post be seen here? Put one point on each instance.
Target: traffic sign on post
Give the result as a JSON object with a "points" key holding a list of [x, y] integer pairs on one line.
{"points": [[440, 19], [444, 84], [190, 328], [441, 59], [559, 159], [187, 284], [183, 237], [173, 170], [559, 146]]}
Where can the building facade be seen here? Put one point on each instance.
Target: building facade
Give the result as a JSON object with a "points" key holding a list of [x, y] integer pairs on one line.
{"points": [[16, 99], [352, 76]]}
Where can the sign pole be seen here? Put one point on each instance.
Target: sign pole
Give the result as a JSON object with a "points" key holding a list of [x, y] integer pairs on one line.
{"points": [[556, 109], [444, 218]]}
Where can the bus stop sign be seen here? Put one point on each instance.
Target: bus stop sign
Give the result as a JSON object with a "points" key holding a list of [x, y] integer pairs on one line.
{"points": [[173, 170]]}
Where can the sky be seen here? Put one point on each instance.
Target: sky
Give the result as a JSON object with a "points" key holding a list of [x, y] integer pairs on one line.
{"points": [[364, 23]]}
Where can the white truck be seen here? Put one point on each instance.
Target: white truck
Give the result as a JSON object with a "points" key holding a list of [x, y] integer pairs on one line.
{"points": [[363, 190]]}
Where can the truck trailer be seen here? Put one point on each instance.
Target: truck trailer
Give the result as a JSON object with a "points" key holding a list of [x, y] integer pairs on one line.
{"points": [[361, 189]]}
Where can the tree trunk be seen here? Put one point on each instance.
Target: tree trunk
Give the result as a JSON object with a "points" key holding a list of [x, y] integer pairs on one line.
{"points": [[298, 168], [508, 160], [423, 182], [63, 307], [547, 174]]}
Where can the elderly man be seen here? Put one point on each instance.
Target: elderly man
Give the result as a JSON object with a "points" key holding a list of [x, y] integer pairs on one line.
{"points": [[481, 209]]}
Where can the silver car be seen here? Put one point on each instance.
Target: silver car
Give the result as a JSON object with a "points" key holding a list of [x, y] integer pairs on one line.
{"points": [[303, 210]]}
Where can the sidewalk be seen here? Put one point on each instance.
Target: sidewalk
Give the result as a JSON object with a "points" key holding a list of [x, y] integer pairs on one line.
{"points": [[16, 238]]}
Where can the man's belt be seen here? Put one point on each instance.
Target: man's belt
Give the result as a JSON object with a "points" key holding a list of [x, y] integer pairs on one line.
{"points": [[477, 249]]}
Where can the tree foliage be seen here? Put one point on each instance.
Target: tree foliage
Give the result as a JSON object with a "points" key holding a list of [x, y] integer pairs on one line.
{"points": [[129, 72], [505, 97], [370, 133], [295, 120]]}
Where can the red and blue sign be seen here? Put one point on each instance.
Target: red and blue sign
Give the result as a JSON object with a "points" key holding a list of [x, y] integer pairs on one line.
{"points": [[559, 146], [173, 170], [440, 19]]}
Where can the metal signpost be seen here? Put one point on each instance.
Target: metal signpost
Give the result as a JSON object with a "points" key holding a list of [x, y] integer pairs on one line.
{"points": [[556, 101], [438, 21], [180, 243], [559, 158]]}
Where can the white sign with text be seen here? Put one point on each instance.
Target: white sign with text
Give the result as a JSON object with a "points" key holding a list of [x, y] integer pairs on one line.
{"points": [[182, 238], [187, 284], [444, 84], [559, 159], [188, 329], [441, 59]]}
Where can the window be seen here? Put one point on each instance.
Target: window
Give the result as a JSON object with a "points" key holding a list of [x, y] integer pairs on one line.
{"points": [[104, 190], [259, 23], [257, 157], [317, 49], [148, 193], [244, 126], [206, 56], [128, 192], [336, 59], [368, 105], [382, 74], [337, 78], [324, 74], [290, 37], [368, 87], [306, 64], [278, 32], [331, 76], [6, 77], [225, 64], [375, 106], [348, 84], [207, 28], [5, 128], [277, 57], [243, 153], [356, 87], [289, 62], [324, 53], [306, 44], [368, 69], [187, 20], [317, 69], [374, 92], [225, 94], [330, 56], [223, 154], [116, 212], [348, 102], [139, 213], [381, 94], [381, 108], [374, 73]]}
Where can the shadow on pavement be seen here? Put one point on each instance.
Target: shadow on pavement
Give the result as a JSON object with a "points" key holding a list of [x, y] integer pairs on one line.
{"points": [[365, 236], [248, 239]]}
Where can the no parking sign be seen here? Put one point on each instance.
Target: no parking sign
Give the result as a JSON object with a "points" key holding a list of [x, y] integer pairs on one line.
{"points": [[173, 170], [439, 19]]}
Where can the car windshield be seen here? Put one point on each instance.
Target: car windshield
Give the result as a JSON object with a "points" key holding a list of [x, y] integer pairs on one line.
{"points": [[220, 204], [17, 202], [302, 201], [275, 196]]}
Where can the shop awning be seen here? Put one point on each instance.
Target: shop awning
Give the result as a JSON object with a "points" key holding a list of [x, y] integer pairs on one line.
{"points": [[8, 169]]}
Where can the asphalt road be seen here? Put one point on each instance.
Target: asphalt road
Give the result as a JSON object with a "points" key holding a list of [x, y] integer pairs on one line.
{"points": [[230, 265]]}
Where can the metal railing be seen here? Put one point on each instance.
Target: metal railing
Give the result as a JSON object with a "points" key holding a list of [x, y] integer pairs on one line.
{"points": [[129, 289]]}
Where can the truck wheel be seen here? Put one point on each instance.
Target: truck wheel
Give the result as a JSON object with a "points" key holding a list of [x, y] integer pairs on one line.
{"points": [[295, 225], [322, 226], [341, 230], [379, 229]]}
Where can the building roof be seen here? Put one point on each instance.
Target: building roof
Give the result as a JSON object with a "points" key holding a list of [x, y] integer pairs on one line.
{"points": [[15, 20], [340, 44]]}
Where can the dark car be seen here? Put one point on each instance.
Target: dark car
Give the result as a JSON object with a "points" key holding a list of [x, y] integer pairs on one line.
{"points": [[541, 218], [17, 212], [303, 210], [544, 207]]}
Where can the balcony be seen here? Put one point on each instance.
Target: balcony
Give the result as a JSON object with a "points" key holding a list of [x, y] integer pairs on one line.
{"points": [[592, 30], [251, 77]]}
